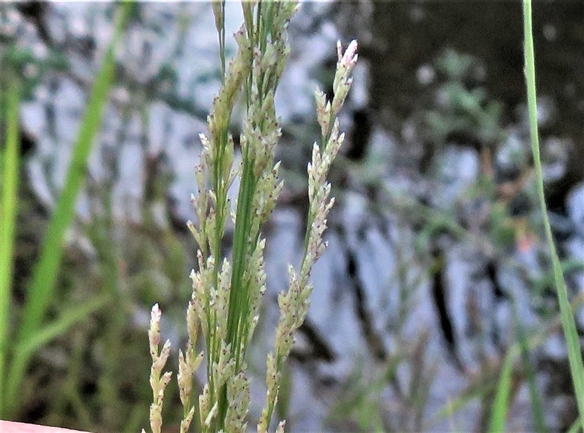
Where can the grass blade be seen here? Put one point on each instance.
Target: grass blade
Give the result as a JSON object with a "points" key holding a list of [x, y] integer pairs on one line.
{"points": [[9, 174], [62, 324], [40, 291], [501, 403], [566, 312]]}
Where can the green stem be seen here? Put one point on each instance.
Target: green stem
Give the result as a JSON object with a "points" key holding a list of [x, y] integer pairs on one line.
{"points": [[9, 109], [45, 274], [566, 312]]}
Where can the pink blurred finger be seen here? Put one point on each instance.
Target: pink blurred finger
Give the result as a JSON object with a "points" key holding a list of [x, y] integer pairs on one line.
{"points": [[19, 427]]}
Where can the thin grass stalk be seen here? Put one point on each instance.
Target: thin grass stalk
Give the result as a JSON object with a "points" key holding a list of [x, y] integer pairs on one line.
{"points": [[9, 107], [566, 312], [219, 13], [501, 402], [295, 302], [260, 135], [219, 160], [41, 289]]}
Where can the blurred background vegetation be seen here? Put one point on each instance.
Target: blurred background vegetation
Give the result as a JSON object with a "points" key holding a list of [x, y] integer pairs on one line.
{"points": [[437, 264]]}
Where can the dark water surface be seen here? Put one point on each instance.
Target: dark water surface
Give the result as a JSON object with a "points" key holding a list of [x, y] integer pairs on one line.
{"points": [[409, 35]]}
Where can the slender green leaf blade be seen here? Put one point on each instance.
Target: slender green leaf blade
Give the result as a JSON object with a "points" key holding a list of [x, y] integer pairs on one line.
{"points": [[61, 325], [44, 277], [501, 403], [8, 209], [566, 312]]}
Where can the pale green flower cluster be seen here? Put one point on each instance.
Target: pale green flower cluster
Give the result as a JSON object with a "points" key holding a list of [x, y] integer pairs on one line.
{"points": [[227, 294], [158, 380], [295, 302]]}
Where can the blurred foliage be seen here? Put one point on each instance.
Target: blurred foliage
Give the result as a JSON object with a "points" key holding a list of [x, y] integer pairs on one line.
{"points": [[92, 375], [463, 108], [31, 67]]}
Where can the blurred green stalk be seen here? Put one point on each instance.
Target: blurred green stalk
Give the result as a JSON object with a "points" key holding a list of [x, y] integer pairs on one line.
{"points": [[41, 290], [9, 174], [566, 312], [501, 403]]}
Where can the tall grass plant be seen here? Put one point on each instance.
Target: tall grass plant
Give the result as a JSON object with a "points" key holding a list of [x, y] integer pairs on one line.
{"points": [[566, 311], [501, 404], [227, 293]]}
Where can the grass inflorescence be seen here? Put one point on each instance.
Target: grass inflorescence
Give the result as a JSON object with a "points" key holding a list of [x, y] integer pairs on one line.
{"points": [[227, 293]]}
